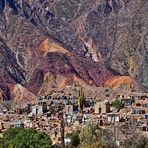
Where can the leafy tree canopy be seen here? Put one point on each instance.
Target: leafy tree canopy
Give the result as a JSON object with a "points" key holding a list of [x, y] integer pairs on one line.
{"points": [[138, 142], [25, 138], [75, 139], [118, 104], [92, 136]]}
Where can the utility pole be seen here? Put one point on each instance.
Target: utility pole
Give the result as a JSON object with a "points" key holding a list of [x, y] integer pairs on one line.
{"points": [[62, 128], [114, 131]]}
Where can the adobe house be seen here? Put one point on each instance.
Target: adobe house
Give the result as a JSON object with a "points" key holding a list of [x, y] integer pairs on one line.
{"points": [[140, 107], [144, 126], [144, 103], [138, 110], [28, 122], [127, 101], [139, 96], [120, 96], [102, 107]]}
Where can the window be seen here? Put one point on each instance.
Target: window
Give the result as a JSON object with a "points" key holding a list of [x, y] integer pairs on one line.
{"points": [[140, 111], [100, 110], [138, 104], [146, 116]]}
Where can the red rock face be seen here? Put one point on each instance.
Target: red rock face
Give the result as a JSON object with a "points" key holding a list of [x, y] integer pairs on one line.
{"points": [[66, 65], [123, 82], [21, 96]]}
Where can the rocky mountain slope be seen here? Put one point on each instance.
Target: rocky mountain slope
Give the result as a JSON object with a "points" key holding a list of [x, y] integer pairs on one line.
{"points": [[54, 43]]}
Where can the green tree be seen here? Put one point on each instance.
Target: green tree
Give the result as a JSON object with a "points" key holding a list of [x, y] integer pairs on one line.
{"points": [[139, 142], [142, 142], [26, 138], [75, 140], [2, 143], [81, 100], [117, 104], [92, 136]]}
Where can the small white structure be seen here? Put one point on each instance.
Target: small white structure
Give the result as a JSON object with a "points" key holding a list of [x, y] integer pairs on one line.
{"points": [[18, 124], [39, 109], [69, 119], [28, 123], [112, 117], [69, 109], [67, 141]]}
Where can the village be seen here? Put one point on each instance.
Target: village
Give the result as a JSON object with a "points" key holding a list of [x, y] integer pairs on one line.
{"points": [[54, 114]]}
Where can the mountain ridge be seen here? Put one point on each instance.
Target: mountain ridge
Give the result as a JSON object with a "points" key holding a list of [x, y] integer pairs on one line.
{"points": [[94, 41]]}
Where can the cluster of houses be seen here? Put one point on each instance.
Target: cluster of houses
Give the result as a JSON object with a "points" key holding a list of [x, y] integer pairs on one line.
{"points": [[138, 104], [46, 113]]}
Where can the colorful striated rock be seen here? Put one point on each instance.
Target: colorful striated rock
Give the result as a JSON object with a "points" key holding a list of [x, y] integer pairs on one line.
{"points": [[89, 41]]}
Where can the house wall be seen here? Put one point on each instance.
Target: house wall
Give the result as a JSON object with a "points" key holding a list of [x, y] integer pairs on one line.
{"points": [[37, 110], [138, 111], [101, 107], [127, 102], [69, 109], [112, 118]]}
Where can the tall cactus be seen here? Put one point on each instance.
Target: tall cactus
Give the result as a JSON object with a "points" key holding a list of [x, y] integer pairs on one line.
{"points": [[81, 100]]}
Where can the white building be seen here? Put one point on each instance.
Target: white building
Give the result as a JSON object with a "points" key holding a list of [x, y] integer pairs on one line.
{"points": [[112, 117], [39, 109], [28, 123]]}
